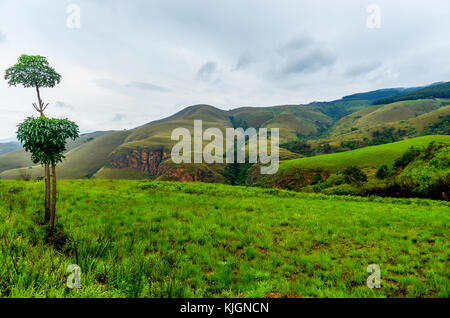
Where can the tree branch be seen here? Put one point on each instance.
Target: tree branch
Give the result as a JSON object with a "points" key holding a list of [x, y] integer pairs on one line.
{"points": [[35, 107]]}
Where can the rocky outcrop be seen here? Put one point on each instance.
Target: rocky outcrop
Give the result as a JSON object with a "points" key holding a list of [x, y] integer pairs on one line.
{"points": [[168, 171], [146, 161]]}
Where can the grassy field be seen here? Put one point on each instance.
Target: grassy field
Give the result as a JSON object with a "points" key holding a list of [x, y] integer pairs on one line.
{"points": [[373, 156], [156, 239], [411, 116]]}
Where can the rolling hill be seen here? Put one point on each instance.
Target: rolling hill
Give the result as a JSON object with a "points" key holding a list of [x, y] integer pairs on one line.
{"points": [[144, 151], [427, 175], [137, 153], [8, 147], [365, 157], [408, 115], [439, 90]]}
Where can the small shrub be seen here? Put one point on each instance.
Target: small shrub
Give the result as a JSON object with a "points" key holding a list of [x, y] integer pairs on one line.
{"points": [[382, 172], [407, 158], [354, 175]]}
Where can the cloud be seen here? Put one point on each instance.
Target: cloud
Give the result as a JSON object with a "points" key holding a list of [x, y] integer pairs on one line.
{"points": [[243, 61], [362, 69], [108, 84], [146, 86], [206, 71], [308, 62], [125, 89], [119, 117], [2, 37], [63, 105], [282, 53], [303, 55]]}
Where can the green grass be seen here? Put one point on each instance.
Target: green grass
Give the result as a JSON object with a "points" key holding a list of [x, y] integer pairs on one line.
{"points": [[373, 156], [400, 115], [156, 239]]}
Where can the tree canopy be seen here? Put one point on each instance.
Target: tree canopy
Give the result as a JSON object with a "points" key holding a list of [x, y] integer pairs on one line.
{"points": [[45, 138], [32, 71]]}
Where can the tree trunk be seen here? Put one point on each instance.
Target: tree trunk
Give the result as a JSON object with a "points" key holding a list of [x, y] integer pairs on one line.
{"points": [[53, 205], [47, 166], [47, 193], [41, 104]]}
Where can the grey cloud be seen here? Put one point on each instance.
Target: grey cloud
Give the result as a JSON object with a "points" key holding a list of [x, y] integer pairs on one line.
{"points": [[303, 55], [361, 69], [243, 61], [172, 39], [63, 105], [108, 84], [125, 89], [206, 71], [146, 86], [300, 42], [309, 62], [119, 117]]}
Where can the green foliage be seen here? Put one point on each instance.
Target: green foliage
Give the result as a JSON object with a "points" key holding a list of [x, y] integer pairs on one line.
{"points": [[239, 123], [434, 91], [300, 146], [406, 158], [32, 71], [351, 144], [383, 172], [419, 172], [440, 128], [236, 173], [166, 239], [354, 175], [45, 138], [387, 135]]}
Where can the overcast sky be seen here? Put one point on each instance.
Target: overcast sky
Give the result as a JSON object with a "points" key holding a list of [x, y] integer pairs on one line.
{"points": [[131, 62]]}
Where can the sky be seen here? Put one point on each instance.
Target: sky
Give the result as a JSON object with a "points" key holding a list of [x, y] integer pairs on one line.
{"points": [[126, 63]]}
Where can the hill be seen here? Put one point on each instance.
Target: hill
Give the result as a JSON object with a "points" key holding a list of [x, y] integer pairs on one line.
{"points": [[140, 152], [441, 90], [137, 153], [8, 147], [407, 115], [365, 157], [85, 155], [330, 173]]}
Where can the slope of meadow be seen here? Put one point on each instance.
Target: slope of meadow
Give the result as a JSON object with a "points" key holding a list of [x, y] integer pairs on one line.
{"points": [[80, 162], [157, 239], [405, 115], [373, 156]]}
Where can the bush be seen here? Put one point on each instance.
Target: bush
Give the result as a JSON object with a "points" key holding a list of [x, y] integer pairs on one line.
{"points": [[354, 175], [343, 189], [407, 158], [383, 172]]}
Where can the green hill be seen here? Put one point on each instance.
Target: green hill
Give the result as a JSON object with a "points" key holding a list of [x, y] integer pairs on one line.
{"points": [[138, 153], [8, 147], [365, 157], [333, 173], [432, 91], [81, 162], [364, 122]]}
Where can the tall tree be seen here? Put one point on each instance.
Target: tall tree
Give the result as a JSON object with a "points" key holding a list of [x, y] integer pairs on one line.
{"points": [[45, 138], [35, 71]]}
